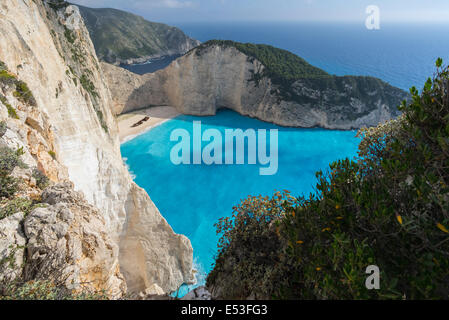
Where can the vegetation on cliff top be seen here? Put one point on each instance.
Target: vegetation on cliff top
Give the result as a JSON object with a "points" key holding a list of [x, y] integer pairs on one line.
{"points": [[120, 35], [389, 208], [288, 71], [281, 65]]}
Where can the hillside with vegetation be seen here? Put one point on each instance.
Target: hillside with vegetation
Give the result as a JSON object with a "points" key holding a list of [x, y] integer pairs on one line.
{"points": [[292, 73], [389, 207], [281, 65], [119, 36]]}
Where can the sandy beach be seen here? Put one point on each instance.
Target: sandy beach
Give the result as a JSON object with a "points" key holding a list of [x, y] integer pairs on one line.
{"points": [[156, 116]]}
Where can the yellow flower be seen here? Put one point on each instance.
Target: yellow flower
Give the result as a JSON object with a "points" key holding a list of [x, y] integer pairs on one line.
{"points": [[318, 269], [399, 218], [339, 218], [442, 228], [326, 229], [299, 242], [337, 206]]}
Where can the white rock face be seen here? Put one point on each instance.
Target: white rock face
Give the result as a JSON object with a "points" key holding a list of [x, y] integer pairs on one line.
{"points": [[207, 79], [12, 243], [73, 97], [67, 243]]}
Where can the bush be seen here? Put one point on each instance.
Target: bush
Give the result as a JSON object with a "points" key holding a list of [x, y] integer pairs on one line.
{"points": [[11, 111], [249, 250], [69, 35], [9, 159], [24, 94], [52, 154], [388, 207], [41, 179], [3, 128], [44, 290], [57, 4], [15, 205]]}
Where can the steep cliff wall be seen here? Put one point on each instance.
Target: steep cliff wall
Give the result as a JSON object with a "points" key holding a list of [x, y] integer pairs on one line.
{"points": [[70, 133], [216, 76]]}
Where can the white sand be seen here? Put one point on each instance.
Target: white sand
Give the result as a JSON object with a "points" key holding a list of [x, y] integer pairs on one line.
{"points": [[158, 115]]}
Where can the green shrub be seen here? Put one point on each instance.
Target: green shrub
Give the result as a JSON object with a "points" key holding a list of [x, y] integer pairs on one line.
{"points": [[11, 111], [249, 261], [9, 159], [69, 35], [44, 290], [15, 205], [388, 207], [6, 78], [57, 4], [41, 179], [3, 128], [24, 94], [52, 154]]}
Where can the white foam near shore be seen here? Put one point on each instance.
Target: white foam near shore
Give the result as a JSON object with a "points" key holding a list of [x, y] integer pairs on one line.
{"points": [[157, 116]]}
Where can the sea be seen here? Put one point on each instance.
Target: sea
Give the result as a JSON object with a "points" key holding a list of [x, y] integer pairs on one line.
{"points": [[193, 197]]}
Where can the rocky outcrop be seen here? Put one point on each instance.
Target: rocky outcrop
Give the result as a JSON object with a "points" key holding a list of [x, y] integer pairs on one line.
{"points": [[70, 134], [217, 76], [200, 293], [68, 244], [12, 247]]}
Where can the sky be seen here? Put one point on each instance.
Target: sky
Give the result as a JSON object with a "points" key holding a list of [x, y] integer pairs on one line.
{"points": [[278, 10]]}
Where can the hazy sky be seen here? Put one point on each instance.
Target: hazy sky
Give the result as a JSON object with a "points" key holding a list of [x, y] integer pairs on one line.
{"points": [[275, 10]]}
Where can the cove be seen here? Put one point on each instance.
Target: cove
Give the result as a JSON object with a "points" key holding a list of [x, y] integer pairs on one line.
{"points": [[193, 197]]}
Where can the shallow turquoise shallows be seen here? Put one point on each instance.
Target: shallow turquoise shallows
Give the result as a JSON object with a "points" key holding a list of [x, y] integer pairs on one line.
{"points": [[193, 197]]}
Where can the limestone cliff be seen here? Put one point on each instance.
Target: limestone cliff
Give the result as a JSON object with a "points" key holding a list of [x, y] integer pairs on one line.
{"points": [[219, 75], [69, 133]]}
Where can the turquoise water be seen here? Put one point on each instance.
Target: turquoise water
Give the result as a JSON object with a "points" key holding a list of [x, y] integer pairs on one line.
{"points": [[193, 197]]}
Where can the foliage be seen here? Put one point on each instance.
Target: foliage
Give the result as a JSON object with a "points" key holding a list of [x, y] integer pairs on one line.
{"points": [[6, 78], [69, 35], [388, 207], [44, 290], [52, 154], [3, 128], [249, 248], [57, 4], [11, 111], [15, 205], [24, 94], [9, 159], [42, 180]]}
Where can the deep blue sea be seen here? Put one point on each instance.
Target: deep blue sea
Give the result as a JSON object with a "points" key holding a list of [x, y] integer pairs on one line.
{"points": [[193, 197]]}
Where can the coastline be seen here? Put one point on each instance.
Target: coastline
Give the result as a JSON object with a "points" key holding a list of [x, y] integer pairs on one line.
{"points": [[157, 116]]}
